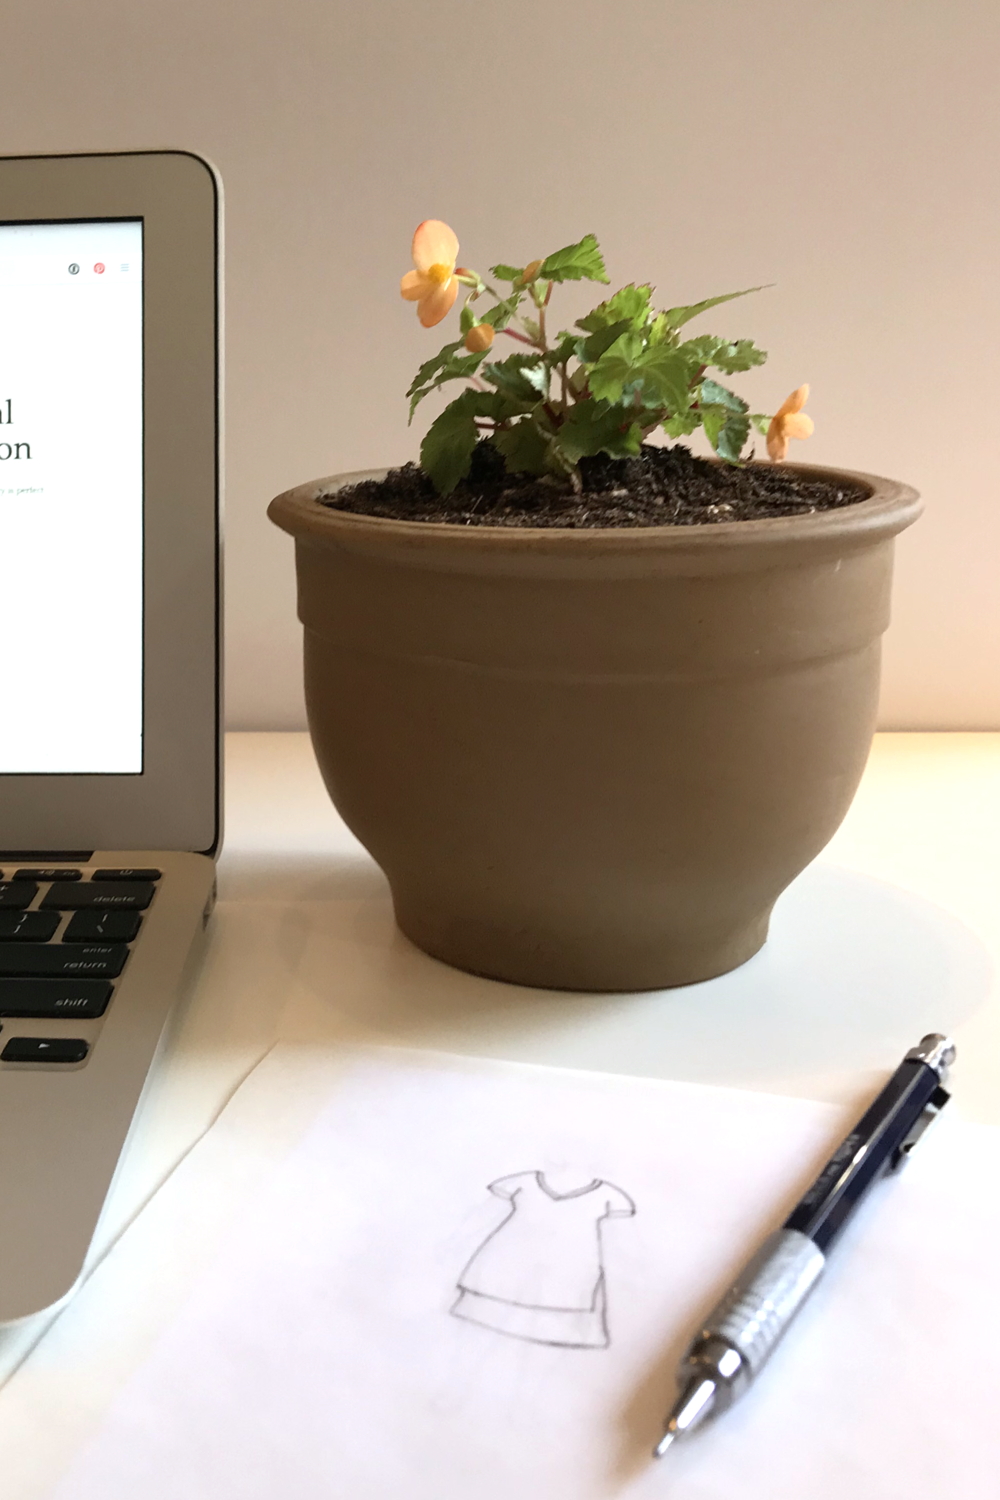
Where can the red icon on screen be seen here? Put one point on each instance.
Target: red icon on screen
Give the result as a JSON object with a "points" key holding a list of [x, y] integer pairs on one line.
{"points": [[99, 268]]}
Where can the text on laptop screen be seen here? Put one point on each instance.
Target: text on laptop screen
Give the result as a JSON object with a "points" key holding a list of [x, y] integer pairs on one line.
{"points": [[71, 494]]}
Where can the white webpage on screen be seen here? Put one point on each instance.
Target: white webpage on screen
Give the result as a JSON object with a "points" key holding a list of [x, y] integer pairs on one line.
{"points": [[71, 493]]}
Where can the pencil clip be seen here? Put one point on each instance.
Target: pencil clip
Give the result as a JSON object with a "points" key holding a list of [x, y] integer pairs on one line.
{"points": [[931, 1110]]}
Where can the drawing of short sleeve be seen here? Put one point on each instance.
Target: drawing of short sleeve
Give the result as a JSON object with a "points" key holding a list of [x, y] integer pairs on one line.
{"points": [[620, 1205], [506, 1187]]}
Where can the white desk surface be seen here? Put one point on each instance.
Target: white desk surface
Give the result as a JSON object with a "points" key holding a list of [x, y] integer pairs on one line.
{"points": [[892, 932]]}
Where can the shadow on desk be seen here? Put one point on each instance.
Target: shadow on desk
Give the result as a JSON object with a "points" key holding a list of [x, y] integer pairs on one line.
{"points": [[854, 971]]}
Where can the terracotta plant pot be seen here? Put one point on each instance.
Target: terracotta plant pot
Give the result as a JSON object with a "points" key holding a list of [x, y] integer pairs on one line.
{"points": [[593, 759]]}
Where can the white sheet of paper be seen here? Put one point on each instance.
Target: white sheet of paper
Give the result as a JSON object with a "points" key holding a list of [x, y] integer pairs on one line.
{"points": [[321, 1352]]}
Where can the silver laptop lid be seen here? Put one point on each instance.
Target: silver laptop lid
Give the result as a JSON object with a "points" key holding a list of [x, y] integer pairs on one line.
{"points": [[109, 502]]}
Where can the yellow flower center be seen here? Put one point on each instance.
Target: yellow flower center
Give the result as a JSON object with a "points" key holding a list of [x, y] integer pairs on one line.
{"points": [[439, 273]]}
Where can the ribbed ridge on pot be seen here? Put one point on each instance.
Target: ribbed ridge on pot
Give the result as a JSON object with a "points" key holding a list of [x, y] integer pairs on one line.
{"points": [[661, 601]]}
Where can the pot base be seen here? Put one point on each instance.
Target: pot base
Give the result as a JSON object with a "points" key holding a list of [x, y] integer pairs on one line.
{"points": [[540, 961]]}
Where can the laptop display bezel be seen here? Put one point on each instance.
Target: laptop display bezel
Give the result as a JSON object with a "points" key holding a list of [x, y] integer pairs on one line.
{"points": [[174, 803]]}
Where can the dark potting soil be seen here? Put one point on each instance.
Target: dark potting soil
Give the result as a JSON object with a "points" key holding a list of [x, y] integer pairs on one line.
{"points": [[660, 487]]}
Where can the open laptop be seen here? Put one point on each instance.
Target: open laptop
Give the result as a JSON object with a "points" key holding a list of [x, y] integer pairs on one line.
{"points": [[109, 688]]}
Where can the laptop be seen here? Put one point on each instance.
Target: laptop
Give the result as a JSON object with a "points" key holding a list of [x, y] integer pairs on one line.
{"points": [[110, 688]]}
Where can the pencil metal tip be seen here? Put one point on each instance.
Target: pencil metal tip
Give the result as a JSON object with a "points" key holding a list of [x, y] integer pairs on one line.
{"points": [[664, 1443], [693, 1407]]}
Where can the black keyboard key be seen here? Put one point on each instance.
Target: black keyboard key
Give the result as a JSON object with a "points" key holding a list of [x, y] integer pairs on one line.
{"points": [[126, 875], [51, 874], [96, 961], [54, 997], [134, 895], [17, 892], [44, 1049], [96, 926], [27, 926]]}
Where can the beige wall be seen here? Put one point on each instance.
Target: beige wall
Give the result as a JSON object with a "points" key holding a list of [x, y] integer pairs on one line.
{"points": [[846, 150]]}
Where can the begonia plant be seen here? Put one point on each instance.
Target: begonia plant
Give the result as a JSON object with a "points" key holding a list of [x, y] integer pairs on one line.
{"points": [[605, 386]]}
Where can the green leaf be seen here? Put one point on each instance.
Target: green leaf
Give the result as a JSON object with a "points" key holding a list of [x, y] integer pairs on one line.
{"points": [[498, 317], [743, 355], [667, 373], [616, 368], [580, 262], [725, 355], [567, 347], [761, 421], [661, 373], [726, 430], [522, 376], [626, 443], [630, 305], [683, 424], [590, 350], [713, 419], [599, 427], [466, 318], [448, 443], [507, 273], [713, 394], [524, 447], [659, 329], [677, 316], [703, 349], [732, 439], [430, 368], [456, 367]]}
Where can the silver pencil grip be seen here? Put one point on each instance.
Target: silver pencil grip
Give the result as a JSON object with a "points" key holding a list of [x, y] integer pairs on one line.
{"points": [[741, 1332]]}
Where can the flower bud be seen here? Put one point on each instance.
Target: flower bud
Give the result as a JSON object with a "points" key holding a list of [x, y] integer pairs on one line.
{"points": [[479, 338], [530, 271]]}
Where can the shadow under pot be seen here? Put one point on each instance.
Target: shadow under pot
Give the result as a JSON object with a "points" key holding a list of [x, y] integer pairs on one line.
{"points": [[592, 759]]}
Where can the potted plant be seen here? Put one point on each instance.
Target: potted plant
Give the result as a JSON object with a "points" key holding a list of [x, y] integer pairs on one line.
{"points": [[590, 702]]}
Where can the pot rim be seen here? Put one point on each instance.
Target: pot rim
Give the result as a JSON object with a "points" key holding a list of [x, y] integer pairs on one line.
{"points": [[890, 507]]}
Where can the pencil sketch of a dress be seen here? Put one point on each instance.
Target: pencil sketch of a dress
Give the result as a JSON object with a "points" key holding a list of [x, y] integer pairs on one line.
{"points": [[540, 1274]]}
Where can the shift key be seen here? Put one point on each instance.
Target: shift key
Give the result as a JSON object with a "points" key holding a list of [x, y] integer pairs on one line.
{"points": [[54, 997], [64, 895]]}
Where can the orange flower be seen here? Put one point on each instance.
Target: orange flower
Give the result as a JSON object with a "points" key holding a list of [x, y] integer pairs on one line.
{"points": [[789, 421], [479, 338], [432, 286]]}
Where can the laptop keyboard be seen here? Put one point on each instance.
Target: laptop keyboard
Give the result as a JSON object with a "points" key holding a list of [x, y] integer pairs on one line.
{"points": [[65, 938]]}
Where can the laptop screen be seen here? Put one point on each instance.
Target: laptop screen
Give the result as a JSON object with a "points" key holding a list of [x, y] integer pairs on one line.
{"points": [[71, 497]]}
